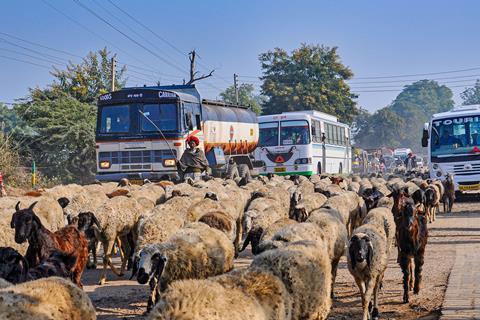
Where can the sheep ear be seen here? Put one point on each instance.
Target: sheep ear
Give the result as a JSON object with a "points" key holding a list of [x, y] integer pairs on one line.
{"points": [[32, 205], [12, 222], [369, 252], [95, 220]]}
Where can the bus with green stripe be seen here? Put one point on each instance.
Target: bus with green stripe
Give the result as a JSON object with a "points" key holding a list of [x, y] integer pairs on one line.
{"points": [[304, 143]]}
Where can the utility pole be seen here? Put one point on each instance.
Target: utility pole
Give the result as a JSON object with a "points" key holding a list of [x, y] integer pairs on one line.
{"points": [[235, 85], [112, 75]]}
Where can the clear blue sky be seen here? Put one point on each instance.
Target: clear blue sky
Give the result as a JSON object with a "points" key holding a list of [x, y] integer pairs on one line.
{"points": [[375, 38]]}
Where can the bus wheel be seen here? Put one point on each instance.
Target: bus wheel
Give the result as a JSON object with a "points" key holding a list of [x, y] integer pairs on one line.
{"points": [[319, 168], [340, 168], [244, 171], [232, 171]]}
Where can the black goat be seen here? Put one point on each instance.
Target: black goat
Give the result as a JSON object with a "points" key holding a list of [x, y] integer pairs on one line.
{"points": [[87, 222], [13, 266]]}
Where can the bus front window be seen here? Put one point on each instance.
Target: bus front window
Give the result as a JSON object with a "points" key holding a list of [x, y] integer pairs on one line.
{"points": [[162, 116], [115, 119], [268, 134], [294, 132], [455, 136]]}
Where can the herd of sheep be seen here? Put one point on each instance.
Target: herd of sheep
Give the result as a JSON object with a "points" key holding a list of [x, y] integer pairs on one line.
{"points": [[182, 241]]}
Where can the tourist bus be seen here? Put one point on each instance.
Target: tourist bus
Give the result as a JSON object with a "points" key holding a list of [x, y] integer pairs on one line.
{"points": [[453, 142], [303, 142], [141, 133]]}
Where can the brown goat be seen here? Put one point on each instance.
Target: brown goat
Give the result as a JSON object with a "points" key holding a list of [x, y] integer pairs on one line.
{"points": [[412, 237], [42, 242], [449, 195]]}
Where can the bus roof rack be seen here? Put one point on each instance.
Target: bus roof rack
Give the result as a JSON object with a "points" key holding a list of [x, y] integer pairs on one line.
{"points": [[223, 104]]}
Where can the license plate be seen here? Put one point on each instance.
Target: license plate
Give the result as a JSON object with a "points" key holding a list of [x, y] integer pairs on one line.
{"points": [[280, 169], [469, 187], [138, 182]]}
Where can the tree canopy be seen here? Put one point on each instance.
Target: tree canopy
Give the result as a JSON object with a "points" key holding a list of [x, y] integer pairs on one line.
{"points": [[400, 124], [312, 77], [246, 97], [58, 122], [471, 95]]}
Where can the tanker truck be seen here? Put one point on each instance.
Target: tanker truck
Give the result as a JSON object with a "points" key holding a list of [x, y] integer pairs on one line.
{"points": [[141, 133]]}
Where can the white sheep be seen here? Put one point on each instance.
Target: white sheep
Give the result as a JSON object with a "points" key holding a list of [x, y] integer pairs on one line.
{"points": [[48, 298], [351, 206], [195, 252], [306, 204]]}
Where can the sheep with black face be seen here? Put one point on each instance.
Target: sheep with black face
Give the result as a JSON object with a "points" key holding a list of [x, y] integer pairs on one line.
{"points": [[13, 266]]}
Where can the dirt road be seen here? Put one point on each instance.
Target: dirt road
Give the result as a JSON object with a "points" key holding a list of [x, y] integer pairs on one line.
{"points": [[124, 299]]}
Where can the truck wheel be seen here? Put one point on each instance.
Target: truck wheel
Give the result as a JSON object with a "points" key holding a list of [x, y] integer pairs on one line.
{"points": [[232, 172], [244, 171]]}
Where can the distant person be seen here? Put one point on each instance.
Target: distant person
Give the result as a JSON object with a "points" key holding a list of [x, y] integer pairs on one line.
{"points": [[410, 162], [193, 161]]}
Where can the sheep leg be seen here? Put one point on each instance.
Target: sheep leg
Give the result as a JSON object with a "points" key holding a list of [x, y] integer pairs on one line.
{"points": [[404, 264], [419, 260], [375, 297], [367, 300], [411, 282], [334, 275], [238, 237], [126, 254], [107, 251], [151, 298]]}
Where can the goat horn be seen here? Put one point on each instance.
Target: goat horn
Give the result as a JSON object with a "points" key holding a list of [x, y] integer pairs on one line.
{"points": [[32, 205], [17, 207]]}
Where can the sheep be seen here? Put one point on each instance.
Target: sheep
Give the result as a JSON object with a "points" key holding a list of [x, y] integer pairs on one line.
{"points": [[4, 283], [117, 217], [13, 266], [306, 205], [367, 260], [42, 242], [382, 217], [412, 238], [354, 186], [432, 201], [221, 221], [331, 190], [350, 206], [449, 194], [82, 202], [271, 230], [305, 270], [208, 300], [87, 222], [48, 298], [196, 251]]}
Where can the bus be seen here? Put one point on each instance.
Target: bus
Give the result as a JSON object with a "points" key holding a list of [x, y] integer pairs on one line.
{"points": [[304, 143], [141, 133], [453, 143]]}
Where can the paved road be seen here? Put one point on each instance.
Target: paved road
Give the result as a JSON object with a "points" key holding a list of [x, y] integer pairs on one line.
{"points": [[462, 298]]}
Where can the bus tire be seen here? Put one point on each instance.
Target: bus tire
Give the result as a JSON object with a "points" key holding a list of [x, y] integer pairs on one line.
{"points": [[244, 171], [340, 168], [232, 172]]}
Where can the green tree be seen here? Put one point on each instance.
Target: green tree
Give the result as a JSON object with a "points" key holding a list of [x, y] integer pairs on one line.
{"points": [[471, 95], [59, 121], [246, 97], [312, 77], [400, 124]]}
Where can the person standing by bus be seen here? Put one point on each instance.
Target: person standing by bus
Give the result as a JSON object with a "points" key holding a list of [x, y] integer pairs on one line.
{"points": [[410, 162], [193, 161]]}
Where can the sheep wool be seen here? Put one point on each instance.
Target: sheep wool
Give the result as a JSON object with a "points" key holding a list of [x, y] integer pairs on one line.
{"points": [[48, 298]]}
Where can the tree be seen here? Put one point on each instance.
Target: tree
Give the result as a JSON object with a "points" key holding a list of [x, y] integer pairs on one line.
{"points": [[471, 95], [246, 97], [400, 124], [62, 137], [59, 121], [312, 77], [85, 81]]}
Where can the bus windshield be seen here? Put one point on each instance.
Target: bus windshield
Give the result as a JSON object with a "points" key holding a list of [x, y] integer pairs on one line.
{"points": [[163, 116], [115, 119], [455, 136], [268, 135], [294, 132]]}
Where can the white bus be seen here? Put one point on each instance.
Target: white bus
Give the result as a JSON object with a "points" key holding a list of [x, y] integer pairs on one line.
{"points": [[303, 142], [453, 141]]}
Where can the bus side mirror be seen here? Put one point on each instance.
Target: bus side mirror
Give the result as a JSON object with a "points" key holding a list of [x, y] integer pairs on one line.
{"points": [[188, 118], [425, 138]]}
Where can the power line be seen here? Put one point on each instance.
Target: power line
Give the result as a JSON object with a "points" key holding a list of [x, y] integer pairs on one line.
{"points": [[397, 86], [417, 74], [127, 36], [410, 89], [31, 56], [25, 61], [413, 80], [61, 60]]}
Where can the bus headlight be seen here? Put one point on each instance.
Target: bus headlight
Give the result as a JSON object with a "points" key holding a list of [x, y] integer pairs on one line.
{"points": [[105, 164], [435, 166], [438, 174], [303, 160], [169, 162]]}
